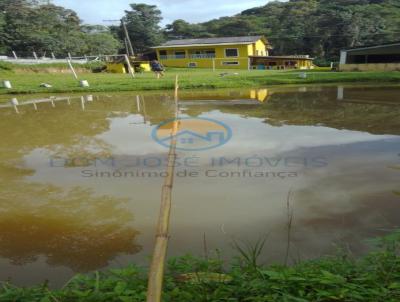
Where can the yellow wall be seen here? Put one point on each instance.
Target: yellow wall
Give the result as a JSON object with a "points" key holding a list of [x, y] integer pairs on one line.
{"points": [[120, 67], [116, 68], [305, 64], [245, 51], [279, 63], [258, 49]]}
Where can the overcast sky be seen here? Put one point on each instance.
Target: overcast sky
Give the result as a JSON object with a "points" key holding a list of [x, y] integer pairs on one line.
{"points": [[95, 11]]}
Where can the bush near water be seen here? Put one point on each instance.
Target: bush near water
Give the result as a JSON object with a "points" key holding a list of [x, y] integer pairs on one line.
{"points": [[374, 277]]}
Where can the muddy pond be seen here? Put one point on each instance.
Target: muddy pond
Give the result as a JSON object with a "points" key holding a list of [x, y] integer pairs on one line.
{"points": [[81, 175]]}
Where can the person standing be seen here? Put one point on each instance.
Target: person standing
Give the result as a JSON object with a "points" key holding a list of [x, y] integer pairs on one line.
{"points": [[157, 68]]}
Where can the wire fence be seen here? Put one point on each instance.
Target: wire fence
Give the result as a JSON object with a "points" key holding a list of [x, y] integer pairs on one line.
{"points": [[30, 61]]}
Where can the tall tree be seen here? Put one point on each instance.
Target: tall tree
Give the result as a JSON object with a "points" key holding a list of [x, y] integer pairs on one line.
{"points": [[143, 24], [180, 29], [33, 25]]}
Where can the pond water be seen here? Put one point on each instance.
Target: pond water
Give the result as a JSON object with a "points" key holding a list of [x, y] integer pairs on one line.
{"points": [[81, 176]]}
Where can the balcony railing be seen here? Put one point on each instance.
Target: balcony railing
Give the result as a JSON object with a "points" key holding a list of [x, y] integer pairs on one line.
{"points": [[172, 57], [203, 56], [191, 56]]}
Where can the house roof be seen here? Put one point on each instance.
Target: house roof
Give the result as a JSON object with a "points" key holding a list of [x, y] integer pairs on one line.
{"points": [[372, 46], [212, 41]]}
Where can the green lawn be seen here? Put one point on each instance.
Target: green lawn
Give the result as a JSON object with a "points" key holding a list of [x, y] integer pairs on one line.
{"points": [[29, 82]]}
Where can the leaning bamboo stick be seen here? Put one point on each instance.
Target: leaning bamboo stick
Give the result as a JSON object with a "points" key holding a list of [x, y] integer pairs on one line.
{"points": [[156, 274]]}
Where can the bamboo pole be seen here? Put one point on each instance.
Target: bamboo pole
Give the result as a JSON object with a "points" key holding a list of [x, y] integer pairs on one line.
{"points": [[130, 68], [72, 69], [156, 274]]}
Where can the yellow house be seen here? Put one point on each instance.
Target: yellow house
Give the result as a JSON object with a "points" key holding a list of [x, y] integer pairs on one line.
{"points": [[219, 53]]}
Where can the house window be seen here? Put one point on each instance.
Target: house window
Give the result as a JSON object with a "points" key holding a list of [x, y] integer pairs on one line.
{"points": [[231, 52], [192, 64], [163, 55], [180, 54], [202, 54], [230, 63]]}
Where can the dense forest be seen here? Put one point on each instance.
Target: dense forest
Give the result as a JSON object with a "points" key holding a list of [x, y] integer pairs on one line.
{"points": [[316, 27], [319, 28], [30, 25]]}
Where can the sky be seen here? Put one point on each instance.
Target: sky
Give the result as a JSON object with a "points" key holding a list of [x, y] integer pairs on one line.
{"points": [[95, 11]]}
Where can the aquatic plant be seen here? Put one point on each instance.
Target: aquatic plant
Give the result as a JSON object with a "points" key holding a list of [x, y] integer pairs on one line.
{"points": [[374, 277]]}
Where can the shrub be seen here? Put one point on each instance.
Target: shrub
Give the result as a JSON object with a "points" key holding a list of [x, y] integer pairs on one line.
{"points": [[375, 277]]}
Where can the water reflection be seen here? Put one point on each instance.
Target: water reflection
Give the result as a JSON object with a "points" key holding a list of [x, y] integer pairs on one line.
{"points": [[71, 229], [50, 211]]}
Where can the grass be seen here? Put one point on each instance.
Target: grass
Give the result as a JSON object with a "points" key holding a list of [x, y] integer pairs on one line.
{"points": [[28, 82], [374, 277], [42, 67]]}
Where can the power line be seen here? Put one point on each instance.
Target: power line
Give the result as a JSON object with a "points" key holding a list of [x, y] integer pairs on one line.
{"points": [[127, 38]]}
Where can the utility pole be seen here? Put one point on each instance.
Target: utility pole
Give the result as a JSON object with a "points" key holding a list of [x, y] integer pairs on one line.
{"points": [[127, 38], [128, 42], [126, 46]]}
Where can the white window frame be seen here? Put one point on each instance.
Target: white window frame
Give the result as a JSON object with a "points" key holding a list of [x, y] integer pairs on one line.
{"points": [[237, 50], [230, 63]]}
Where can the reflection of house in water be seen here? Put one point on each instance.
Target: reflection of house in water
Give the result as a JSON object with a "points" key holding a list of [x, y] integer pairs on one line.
{"points": [[259, 94], [367, 96], [361, 108], [224, 97]]}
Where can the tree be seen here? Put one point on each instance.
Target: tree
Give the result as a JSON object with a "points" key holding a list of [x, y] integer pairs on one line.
{"points": [[3, 37], [320, 28], [32, 26], [28, 26], [102, 43], [180, 29], [143, 26]]}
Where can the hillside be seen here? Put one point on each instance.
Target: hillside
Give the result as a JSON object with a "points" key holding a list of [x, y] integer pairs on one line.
{"points": [[316, 27], [319, 28]]}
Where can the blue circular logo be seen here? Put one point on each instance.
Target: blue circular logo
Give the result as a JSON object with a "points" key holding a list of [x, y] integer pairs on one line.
{"points": [[193, 134]]}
